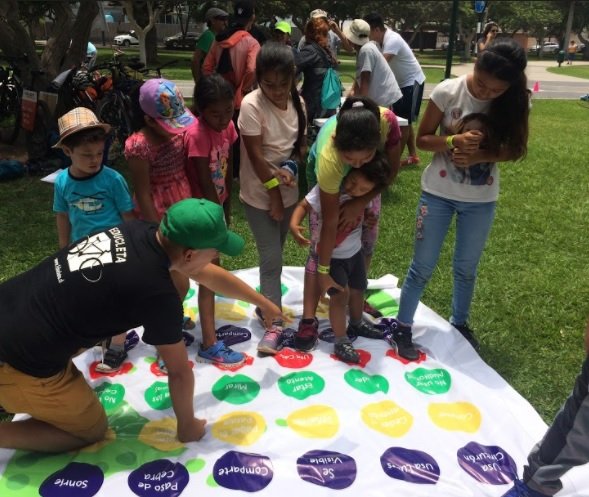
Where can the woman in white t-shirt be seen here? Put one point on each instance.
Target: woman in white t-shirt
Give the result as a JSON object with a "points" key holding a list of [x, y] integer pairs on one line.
{"points": [[272, 126], [497, 87]]}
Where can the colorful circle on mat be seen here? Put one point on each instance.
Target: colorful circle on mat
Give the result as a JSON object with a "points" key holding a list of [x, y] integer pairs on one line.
{"points": [[365, 382], [388, 418], [161, 435], [126, 368], [111, 395], [293, 359], [455, 416], [76, 480], [327, 469], [283, 289], [487, 463], [232, 335], [317, 421], [301, 385], [238, 389], [158, 397], [243, 471], [412, 466], [229, 311], [430, 381], [239, 428], [160, 478]]}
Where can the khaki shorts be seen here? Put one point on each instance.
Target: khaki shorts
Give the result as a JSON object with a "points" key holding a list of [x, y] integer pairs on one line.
{"points": [[65, 400]]}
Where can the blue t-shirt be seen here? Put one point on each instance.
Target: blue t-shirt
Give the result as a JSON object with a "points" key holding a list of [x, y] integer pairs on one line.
{"points": [[93, 203]]}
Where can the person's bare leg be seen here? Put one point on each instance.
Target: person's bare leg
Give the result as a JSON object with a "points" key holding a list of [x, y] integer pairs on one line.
{"points": [[35, 435], [206, 314], [310, 295], [367, 262], [337, 313], [356, 305], [411, 149], [404, 137]]}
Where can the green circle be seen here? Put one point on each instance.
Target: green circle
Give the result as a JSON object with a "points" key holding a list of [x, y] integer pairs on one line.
{"points": [[127, 459], [211, 481], [195, 465], [238, 389], [16, 482]]}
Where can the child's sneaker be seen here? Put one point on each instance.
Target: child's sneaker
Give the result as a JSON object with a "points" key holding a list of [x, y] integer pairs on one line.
{"points": [[364, 329], [187, 323], [467, 333], [270, 343], [411, 160], [346, 352], [307, 335], [112, 360], [219, 353], [520, 489], [400, 338]]}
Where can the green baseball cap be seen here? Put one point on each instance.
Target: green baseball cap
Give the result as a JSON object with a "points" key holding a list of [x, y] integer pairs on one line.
{"points": [[197, 223], [283, 26]]}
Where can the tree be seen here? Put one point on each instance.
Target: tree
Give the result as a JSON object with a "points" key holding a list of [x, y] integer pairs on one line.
{"points": [[66, 45], [133, 9]]}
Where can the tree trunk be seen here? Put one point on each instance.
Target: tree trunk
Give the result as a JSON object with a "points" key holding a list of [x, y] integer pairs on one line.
{"points": [[569, 25], [142, 18], [142, 31]]}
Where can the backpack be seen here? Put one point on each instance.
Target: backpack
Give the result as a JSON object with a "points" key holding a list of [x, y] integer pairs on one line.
{"points": [[331, 89]]}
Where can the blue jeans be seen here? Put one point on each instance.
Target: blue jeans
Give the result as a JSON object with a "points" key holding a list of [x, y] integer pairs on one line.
{"points": [[434, 215]]}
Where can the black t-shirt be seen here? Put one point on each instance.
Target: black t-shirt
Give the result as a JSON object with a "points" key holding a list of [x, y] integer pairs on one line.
{"points": [[96, 288]]}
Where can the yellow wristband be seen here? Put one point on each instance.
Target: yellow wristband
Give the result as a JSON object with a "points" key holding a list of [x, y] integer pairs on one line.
{"points": [[271, 183], [449, 140], [322, 269]]}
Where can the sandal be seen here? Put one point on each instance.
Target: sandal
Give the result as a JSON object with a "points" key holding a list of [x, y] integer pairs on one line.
{"points": [[411, 160]]}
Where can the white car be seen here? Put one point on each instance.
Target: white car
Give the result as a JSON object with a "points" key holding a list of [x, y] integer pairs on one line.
{"points": [[125, 40], [550, 47]]}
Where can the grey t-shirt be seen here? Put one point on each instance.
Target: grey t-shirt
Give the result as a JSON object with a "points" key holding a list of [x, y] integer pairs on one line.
{"points": [[383, 89]]}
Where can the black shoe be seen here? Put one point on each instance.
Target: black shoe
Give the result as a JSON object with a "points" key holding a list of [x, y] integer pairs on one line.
{"points": [[401, 338], [307, 334], [112, 361], [364, 329], [467, 333], [346, 352]]}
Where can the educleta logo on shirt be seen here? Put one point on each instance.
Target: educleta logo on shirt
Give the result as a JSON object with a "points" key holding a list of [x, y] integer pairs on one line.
{"points": [[90, 255]]}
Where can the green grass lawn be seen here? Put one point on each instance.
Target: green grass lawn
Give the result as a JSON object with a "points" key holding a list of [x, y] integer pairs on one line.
{"points": [[578, 69], [532, 296]]}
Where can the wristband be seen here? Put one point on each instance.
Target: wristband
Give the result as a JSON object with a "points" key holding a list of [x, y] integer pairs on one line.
{"points": [[449, 140], [271, 183], [291, 166], [322, 269]]}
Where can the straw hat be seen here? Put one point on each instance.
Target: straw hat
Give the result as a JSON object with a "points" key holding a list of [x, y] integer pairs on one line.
{"points": [[75, 120]]}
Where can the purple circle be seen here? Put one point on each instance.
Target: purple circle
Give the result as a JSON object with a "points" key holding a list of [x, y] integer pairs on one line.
{"points": [[76, 480], [160, 478], [487, 463], [412, 466], [243, 471], [327, 469]]}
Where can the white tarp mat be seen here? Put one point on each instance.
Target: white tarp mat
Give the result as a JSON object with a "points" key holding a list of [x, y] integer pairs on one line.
{"points": [[303, 424]]}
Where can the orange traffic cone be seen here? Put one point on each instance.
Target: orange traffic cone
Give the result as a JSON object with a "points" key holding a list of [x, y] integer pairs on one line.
{"points": [[536, 87]]}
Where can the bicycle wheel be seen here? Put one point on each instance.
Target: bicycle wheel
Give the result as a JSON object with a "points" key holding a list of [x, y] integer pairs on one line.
{"points": [[9, 113], [111, 110]]}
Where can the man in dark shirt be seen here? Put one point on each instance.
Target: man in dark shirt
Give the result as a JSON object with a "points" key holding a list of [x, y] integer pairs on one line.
{"points": [[116, 279]]}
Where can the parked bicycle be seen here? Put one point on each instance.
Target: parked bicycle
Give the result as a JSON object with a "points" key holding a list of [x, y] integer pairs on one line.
{"points": [[10, 101]]}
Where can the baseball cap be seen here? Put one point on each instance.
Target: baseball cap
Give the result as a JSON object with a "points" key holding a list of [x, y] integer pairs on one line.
{"points": [[215, 12], [243, 9], [78, 119], [358, 32], [161, 100], [199, 224], [283, 26], [318, 13]]}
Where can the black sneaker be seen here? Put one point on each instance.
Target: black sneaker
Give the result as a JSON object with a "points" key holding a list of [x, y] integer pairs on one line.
{"points": [[112, 361], [346, 352], [467, 333], [400, 338], [364, 329], [307, 334]]}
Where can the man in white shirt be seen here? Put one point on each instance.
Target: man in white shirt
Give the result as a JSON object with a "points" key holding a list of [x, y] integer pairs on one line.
{"points": [[374, 77], [409, 75]]}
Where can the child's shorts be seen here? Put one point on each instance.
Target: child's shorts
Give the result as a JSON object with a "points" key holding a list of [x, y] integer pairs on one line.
{"points": [[349, 272], [64, 400]]}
